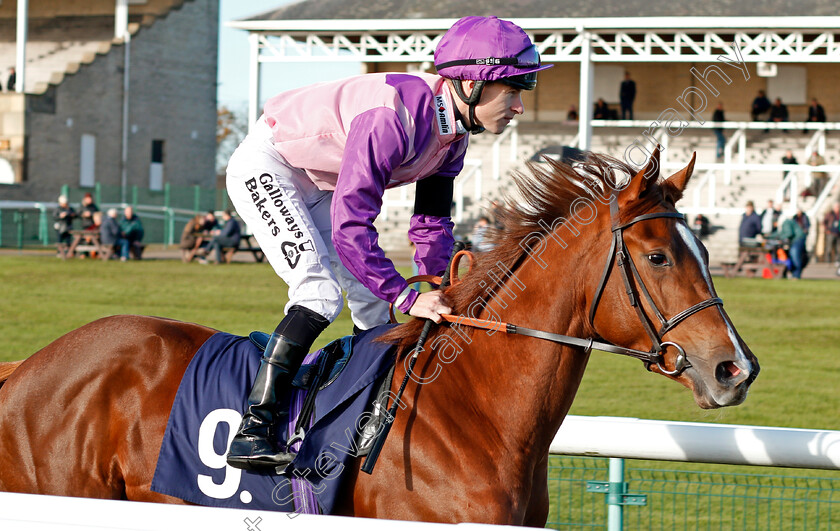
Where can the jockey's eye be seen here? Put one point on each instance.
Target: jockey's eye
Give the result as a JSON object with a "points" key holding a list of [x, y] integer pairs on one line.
{"points": [[658, 259]]}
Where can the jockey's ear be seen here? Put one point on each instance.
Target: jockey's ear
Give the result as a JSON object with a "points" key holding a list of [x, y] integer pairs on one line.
{"points": [[640, 182], [674, 185]]}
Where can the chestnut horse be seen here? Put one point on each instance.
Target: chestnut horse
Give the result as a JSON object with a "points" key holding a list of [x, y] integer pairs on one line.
{"points": [[591, 251]]}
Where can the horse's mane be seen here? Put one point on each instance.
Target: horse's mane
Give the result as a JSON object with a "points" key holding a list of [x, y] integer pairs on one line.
{"points": [[538, 199]]}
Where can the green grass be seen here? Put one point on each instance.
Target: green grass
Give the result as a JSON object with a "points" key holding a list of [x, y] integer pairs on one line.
{"points": [[794, 330]]}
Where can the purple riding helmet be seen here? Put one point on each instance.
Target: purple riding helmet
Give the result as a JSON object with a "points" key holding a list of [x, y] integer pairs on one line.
{"points": [[485, 49]]}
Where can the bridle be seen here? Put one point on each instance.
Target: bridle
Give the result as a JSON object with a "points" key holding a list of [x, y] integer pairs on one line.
{"points": [[618, 253]]}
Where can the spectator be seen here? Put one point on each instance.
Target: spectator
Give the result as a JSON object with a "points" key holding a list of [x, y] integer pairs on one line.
{"points": [[789, 158], [778, 112], [760, 105], [718, 117], [479, 238], [831, 223], [190, 238], [701, 226], [602, 110], [210, 222], [572, 115], [111, 238], [132, 232], [795, 231], [627, 94], [87, 210], [816, 113], [750, 225], [11, 83], [62, 223], [228, 236], [818, 178], [770, 219]]}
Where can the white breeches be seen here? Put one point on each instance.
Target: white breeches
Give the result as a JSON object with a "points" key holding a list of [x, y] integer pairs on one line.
{"points": [[290, 218]]}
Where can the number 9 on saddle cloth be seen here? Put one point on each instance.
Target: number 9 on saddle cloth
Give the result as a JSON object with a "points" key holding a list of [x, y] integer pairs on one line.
{"points": [[332, 405]]}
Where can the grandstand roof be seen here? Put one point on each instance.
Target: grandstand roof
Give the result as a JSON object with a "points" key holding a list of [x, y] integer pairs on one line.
{"points": [[419, 9]]}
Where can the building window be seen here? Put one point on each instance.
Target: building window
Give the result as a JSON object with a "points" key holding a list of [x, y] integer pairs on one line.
{"points": [[156, 166], [87, 161]]}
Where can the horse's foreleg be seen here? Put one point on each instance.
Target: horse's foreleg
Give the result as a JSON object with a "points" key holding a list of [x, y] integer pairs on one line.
{"points": [[536, 513]]}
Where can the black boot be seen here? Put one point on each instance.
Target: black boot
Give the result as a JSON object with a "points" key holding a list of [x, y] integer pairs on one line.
{"points": [[253, 446]]}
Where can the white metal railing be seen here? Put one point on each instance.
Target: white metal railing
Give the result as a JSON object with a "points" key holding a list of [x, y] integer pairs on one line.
{"points": [[726, 444], [47, 513], [619, 438], [612, 437], [472, 171], [707, 179], [512, 131], [739, 139]]}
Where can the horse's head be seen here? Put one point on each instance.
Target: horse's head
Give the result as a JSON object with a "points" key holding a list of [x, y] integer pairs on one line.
{"points": [[659, 265]]}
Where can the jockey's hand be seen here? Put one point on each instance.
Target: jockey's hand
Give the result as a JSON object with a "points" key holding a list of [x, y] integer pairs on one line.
{"points": [[430, 305]]}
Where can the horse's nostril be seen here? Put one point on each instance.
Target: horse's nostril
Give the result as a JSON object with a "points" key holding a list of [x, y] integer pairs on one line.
{"points": [[727, 371]]}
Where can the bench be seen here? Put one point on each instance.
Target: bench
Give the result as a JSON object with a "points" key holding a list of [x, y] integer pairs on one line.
{"points": [[246, 244]]}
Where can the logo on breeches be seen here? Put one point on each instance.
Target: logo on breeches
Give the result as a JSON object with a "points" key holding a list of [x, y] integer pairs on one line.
{"points": [[293, 251]]}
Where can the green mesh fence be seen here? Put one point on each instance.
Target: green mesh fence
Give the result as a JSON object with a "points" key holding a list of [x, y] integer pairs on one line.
{"points": [[162, 212], [692, 499]]}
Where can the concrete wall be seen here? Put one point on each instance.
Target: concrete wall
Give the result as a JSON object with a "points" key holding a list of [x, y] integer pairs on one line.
{"points": [[173, 65]]}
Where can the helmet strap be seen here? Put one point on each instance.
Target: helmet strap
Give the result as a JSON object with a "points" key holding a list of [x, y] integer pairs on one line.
{"points": [[471, 100]]}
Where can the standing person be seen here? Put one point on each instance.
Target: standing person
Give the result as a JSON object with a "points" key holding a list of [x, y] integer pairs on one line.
{"points": [[132, 232], [627, 94], [770, 218], [63, 217], [11, 83], [831, 224], [795, 231], [818, 178], [309, 181], [789, 158], [228, 236], [719, 117], [760, 105]]}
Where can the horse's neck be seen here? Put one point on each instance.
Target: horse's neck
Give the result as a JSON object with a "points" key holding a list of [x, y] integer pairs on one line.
{"points": [[525, 386]]}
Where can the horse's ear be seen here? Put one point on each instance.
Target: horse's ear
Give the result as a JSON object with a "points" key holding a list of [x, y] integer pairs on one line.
{"points": [[640, 182], [675, 184]]}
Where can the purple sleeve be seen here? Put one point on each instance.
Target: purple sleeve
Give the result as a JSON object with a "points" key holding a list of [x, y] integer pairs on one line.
{"points": [[375, 147], [432, 237]]}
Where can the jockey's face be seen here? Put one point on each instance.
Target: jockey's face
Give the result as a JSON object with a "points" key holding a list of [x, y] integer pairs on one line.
{"points": [[499, 105]]}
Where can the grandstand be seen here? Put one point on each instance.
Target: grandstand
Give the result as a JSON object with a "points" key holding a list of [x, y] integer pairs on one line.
{"points": [[682, 56], [96, 92]]}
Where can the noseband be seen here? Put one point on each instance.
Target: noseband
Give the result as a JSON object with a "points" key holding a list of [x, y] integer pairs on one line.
{"points": [[619, 254]]}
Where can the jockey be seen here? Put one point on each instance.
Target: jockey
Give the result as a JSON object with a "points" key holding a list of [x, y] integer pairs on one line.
{"points": [[309, 180]]}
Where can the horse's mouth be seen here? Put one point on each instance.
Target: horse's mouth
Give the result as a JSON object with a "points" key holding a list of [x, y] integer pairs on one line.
{"points": [[730, 386]]}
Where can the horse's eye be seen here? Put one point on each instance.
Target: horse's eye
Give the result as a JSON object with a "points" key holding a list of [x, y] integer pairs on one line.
{"points": [[658, 259]]}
